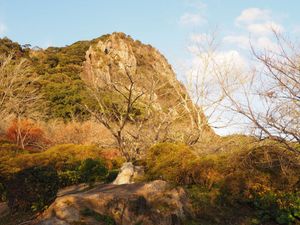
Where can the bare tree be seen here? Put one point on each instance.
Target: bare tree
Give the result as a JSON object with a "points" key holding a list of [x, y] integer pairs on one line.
{"points": [[281, 96], [118, 107], [270, 100], [128, 106], [204, 82], [19, 91]]}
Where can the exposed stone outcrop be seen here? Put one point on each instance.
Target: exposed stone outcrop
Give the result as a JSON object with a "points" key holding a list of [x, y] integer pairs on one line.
{"points": [[128, 174], [110, 58], [154, 203], [119, 50]]}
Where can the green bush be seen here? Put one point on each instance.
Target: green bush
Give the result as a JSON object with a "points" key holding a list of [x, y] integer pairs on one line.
{"points": [[87, 171], [257, 178], [171, 162], [62, 157], [69, 177], [92, 170], [33, 188], [282, 207]]}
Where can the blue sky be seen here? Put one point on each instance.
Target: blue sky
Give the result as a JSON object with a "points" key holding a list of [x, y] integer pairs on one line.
{"points": [[157, 22]]}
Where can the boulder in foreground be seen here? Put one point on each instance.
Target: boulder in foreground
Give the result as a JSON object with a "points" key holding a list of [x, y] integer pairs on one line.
{"points": [[154, 203]]}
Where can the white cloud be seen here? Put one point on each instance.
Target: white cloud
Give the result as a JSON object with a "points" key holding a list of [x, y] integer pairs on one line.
{"points": [[230, 60], [231, 57], [258, 22], [188, 19], [251, 15], [2, 28], [266, 43], [222, 58], [264, 28], [241, 41], [259, 43], [46, 44]]}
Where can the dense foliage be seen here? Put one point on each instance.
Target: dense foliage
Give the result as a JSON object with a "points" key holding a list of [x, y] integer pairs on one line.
{"points": [[257, 178], [62, 87], [59, 76], [61, 157], [165, 161], [8, 47], [32, 188], [88, 171]]}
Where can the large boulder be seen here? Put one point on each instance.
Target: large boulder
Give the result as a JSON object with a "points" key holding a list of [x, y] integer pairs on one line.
{"points": [[129, 204]]}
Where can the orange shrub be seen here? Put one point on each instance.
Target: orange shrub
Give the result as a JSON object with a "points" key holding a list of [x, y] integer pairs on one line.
{"points": [[25, 133]]}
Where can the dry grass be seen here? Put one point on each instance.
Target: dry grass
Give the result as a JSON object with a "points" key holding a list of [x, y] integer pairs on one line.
{"points": [[87, 133]]}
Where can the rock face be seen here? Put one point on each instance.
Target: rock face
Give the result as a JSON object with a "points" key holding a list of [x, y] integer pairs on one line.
{"points": [[128, 174], [112, 54], [152, 203], [110, 59]]}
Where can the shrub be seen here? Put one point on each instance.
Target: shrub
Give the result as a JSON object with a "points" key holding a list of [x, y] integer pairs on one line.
{"points": [[25, 133], [88, 171], [33, 188], [282, 207], [203, 200], [171, 162], [233, 188], [92, 170], [66, 159], [69, 177]]}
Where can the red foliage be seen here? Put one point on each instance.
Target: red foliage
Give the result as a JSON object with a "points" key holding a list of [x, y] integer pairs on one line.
{"points": [[25, 133]]}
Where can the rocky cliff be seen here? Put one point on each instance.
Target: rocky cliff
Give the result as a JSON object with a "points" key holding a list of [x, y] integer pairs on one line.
{"points": [[111, 57]]}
